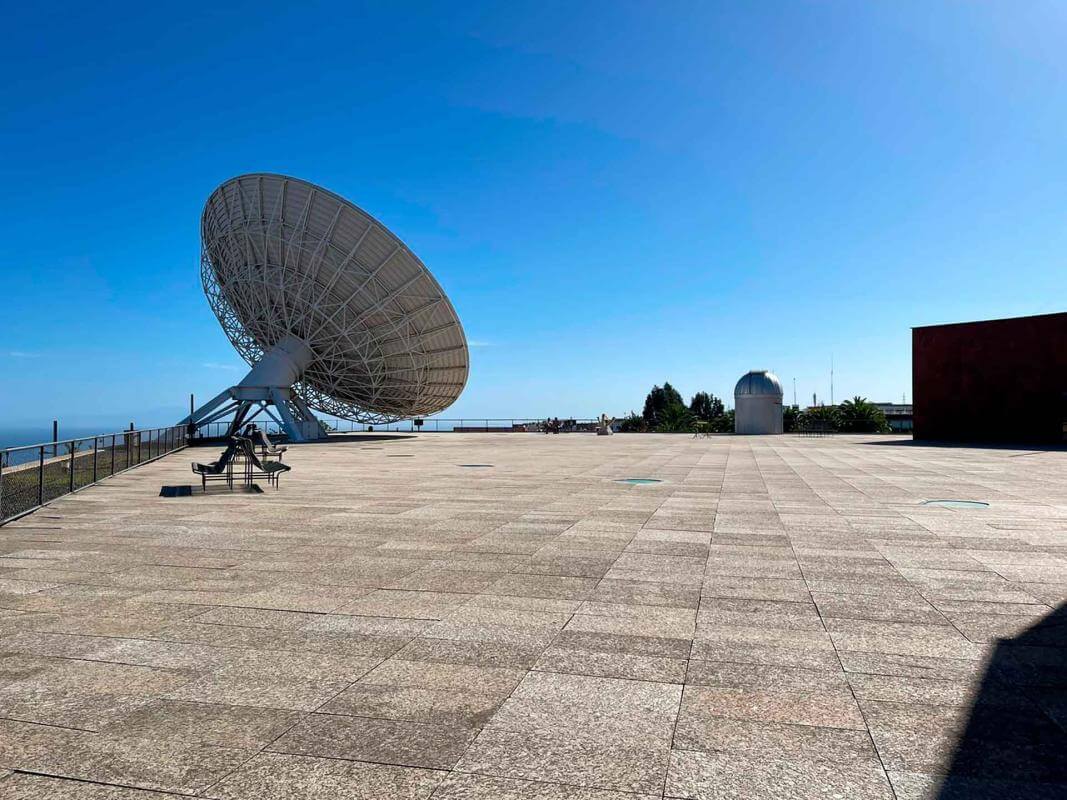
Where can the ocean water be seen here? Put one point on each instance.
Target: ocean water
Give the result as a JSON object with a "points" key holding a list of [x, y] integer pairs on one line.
{"points": [[21, 436], [17, 437]]}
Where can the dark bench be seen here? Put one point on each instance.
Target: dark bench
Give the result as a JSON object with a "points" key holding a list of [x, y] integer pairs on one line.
{"points": [[255, 468], [221, 469], [259, 438], [267, 449], [239, 461]]}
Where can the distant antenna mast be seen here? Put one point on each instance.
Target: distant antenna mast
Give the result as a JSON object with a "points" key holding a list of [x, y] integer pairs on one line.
{"points": [[794, 391], [831, 378]]}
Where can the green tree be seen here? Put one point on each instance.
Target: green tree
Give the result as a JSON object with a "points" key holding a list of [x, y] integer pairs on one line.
{"points": [[706, 406], [676, 419], [724, 423], [671, 394], [657, 403], [858, 415]]}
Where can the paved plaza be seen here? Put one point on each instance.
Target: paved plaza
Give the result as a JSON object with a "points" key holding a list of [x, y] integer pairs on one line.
{"points": [[779, 617]]}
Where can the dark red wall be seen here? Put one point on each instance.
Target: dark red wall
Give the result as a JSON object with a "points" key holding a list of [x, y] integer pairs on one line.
{"points": [[1003, 380]]}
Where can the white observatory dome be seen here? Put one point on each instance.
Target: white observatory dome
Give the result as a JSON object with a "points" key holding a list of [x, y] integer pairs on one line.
{"points": [[759, 382], [758, 403]]}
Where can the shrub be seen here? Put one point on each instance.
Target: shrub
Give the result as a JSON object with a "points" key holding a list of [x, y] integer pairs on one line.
{"points": [[676, 419], [634, 423]]}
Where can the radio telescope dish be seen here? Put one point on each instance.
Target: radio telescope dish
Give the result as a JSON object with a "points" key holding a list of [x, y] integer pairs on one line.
{"points": [[331, 310]]}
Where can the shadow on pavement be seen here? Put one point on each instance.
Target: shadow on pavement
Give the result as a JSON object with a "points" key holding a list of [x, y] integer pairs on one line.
{"points": [[1013, 743], [1029, 447], [366, 437]]}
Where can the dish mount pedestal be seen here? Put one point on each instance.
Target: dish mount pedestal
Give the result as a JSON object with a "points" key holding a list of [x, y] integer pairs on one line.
{"points": [[267, 389]]}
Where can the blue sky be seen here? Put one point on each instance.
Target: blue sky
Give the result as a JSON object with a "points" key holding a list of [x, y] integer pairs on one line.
{"points": [[612, 194]]}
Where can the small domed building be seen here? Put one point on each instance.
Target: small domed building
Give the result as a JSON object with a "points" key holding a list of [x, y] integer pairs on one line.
{"points": [[758, 403]]}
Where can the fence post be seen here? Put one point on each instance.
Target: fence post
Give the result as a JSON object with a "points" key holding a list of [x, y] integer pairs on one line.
{"points": [[70, 484], [40, 476], [96, 451]]}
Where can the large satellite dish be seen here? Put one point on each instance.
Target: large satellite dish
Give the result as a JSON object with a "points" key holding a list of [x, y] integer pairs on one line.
{"points": [[330, 309]]}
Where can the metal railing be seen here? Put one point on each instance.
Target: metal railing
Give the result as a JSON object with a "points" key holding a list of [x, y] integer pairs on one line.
{"points": [[35, 474], [817, 428], [429, 425]]}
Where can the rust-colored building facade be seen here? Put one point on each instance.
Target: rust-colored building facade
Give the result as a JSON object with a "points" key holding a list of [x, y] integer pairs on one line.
{"points": [[1002, 380]]}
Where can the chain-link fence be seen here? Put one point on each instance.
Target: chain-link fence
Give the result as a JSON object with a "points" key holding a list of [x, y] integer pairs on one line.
{"points": [[32, 475]]}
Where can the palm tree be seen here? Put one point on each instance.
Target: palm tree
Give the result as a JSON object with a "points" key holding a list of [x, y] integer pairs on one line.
{"points": [[860, 416]]}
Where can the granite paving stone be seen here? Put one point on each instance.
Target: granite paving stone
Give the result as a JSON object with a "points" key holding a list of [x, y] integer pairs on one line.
{"points": [[612, 665], [740, 612], [23, 786], [382, 741], [896, 608], [459, 786], [779, 617], [761, 676], [299, 682], [826, 708], [999, 740], [771, 740], [212, 723], [623, 643], [442, 707], [926, 786], [162, 765], [715, 776], [615, 764], [645, 593], [274, 776], [25, 745], [912, 666], [473, 652], [444, 676]]}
